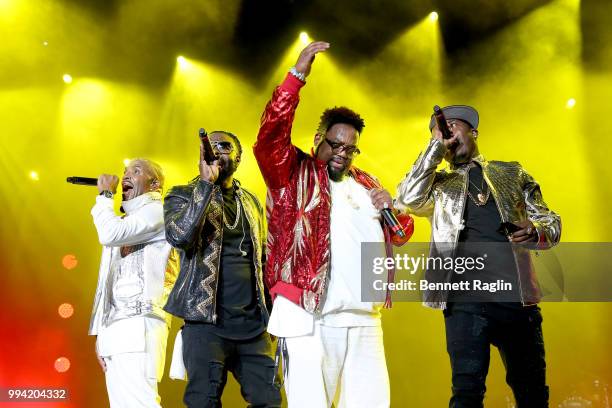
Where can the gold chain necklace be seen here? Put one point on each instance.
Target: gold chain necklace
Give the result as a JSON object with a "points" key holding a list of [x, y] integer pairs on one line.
{"points": [[482, 196], [232, 227]]}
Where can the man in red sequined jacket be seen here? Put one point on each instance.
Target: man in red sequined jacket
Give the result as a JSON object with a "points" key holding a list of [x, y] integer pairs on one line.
{"points": [[321, 209]]}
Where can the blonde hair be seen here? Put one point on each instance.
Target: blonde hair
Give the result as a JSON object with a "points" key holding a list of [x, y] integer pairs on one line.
{"points": [[152, 169]]}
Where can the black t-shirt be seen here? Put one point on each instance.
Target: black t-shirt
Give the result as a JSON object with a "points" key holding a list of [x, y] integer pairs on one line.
{"points": [[238, 313], [480, 236]]}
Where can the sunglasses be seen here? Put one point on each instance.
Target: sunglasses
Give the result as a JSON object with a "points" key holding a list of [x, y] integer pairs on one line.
{"points": [[337, 147]]}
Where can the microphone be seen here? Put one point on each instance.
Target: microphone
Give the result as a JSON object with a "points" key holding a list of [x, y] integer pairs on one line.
{"points": [[391, 220], [441, 121], [83, 181], [209, 154]]}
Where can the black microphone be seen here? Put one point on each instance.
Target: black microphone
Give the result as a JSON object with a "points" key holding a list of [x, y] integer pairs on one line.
{"points": [[441, 121], [83, 181], [392, 222]]}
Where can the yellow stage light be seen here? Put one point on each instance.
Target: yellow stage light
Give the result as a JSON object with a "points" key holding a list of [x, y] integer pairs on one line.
{"points": [[34, 176], [126, 162], [67, 78], [304, 38], [182, 61], [45, 43], [433, 16], [571, 102]]}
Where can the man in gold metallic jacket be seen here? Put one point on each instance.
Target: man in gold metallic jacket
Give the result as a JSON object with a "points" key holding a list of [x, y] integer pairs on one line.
{"points": [[478, 202]]}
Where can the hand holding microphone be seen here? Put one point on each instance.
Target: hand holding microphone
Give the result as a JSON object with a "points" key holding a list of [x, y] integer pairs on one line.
{"points": [[108, 182], [383, 202], [441, 131], [209, 164]]}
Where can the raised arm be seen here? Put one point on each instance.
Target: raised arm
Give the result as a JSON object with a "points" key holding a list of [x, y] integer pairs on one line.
{"points": [[414, 193], [185, 208], [185, 213], [114, 230], [274, 152]]}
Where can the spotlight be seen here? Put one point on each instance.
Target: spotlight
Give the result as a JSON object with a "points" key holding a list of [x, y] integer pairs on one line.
{"points": [[67, 78], [304, 38], [45, 43], [126, 162], [571, 102], [433, 16], [182, 61], [34, 175]]}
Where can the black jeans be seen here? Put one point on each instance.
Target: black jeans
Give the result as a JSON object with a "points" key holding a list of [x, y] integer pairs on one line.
{"points": [[470, 330], [208, 358]]}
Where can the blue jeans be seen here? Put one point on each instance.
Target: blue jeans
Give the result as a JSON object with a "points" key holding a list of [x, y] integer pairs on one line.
{"points": [[516, 331]]}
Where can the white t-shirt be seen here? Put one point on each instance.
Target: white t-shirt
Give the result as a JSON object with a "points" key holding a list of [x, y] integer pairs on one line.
{"points": [[354, 220]]}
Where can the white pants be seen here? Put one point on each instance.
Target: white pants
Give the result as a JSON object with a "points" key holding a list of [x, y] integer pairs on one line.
{"points": [[128, 383], [343, 365]]}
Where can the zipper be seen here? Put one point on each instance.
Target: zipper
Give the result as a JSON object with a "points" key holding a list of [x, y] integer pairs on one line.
{"points": [[214, 302], [501, 216]]}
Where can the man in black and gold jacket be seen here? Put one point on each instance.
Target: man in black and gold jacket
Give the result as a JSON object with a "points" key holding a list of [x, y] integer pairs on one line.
{"points": [[477, 206], [219, 230]]}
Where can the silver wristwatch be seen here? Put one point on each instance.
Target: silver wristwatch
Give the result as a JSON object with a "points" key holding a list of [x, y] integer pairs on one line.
{"points": [[107, 194], [297, 74]]}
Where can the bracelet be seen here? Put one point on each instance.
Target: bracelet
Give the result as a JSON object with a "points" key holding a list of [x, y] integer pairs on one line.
{"points": [[298, 75]]}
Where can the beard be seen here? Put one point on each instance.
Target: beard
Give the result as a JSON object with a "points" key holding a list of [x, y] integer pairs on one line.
{"points": [[228, 168], [337, 173]]}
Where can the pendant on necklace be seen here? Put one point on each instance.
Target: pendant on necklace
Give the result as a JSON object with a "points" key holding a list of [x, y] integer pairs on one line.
{"points": [[481, 198]]}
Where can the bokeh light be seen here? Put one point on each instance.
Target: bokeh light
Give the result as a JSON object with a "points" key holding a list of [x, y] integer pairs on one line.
{"points": [[70, 261], [61, 364], [65, 310]]}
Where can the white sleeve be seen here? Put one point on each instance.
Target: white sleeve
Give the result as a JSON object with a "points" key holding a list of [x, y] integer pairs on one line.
{"points": [[135, 228]]}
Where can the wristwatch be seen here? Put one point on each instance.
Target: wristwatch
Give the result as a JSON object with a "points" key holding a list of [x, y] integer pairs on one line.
{"points": [[107, 194], [297, 74]]}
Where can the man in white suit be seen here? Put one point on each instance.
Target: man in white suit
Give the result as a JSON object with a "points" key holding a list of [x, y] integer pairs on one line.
{"points": [[137, 271]]}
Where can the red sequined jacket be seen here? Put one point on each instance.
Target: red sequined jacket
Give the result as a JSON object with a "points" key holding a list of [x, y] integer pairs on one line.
{"points": [[298, 206]]}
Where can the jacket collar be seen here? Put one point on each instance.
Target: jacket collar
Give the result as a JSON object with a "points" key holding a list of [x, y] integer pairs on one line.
{"points": [[135, 203], [480, 159]]}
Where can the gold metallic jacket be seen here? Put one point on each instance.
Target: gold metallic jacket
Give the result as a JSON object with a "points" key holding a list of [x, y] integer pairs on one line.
{"points": [[441, 196]]}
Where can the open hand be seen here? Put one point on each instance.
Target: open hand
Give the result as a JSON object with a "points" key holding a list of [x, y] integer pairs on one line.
{"points": [[307, 56]]}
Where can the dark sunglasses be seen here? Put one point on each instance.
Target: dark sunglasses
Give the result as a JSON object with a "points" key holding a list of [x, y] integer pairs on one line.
{"points": [[222, 147]]}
